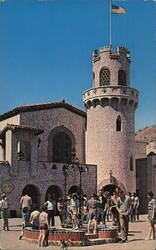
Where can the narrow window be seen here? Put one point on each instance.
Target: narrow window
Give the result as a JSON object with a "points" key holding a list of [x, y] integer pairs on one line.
{"points": [[93, 79], [104, 76], [131, 163], [122, 78], [118, 123]]}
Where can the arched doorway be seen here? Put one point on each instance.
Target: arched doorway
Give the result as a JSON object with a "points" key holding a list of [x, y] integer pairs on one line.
{"points": [[75, 189], [109, 188], [54, 192], [33, 192], [61, 141]]}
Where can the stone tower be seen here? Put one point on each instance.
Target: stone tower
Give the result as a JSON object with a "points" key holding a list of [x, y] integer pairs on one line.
{"points": [[110, 132]]}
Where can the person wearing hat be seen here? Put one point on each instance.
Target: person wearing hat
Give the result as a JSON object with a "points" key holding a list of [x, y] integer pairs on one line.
{"points": [[4, 211]]}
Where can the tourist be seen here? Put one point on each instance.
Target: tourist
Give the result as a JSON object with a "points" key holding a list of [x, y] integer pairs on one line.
{"points": [[101, 212], [114, 211], [25, 223], [43, 226], [62, 211], [108, 206], [34, 218], [74, 210], [92, 205], [26, 201], [51, 209], [84, 209], [4, 205], [124, 207], [136, 205], [151, 215], [132, 213]]}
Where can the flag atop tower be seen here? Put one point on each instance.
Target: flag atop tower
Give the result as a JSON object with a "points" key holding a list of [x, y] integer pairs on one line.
{"points": [[118, 10]]}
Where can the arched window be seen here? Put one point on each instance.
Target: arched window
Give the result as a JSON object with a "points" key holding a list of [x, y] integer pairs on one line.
{"points": [[131, 163], [93, 79], [122, 77], [118, 123], [62, 148], [24, 147], [104, 76]]}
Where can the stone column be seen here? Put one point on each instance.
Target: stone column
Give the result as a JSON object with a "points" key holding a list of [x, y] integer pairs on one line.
{"points": [[1, 151]]}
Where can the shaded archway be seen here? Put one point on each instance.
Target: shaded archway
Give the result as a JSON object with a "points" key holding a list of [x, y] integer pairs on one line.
{"points": [[62, 148], [109, 188], [34, 193], [61, 141], [54, 192], [75, 189]]}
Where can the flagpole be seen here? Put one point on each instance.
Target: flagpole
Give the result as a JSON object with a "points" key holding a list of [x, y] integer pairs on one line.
{"points": [[110, 24]]}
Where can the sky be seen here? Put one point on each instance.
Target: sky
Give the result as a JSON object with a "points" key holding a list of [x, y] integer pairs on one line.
{"points": [[46, 48]]}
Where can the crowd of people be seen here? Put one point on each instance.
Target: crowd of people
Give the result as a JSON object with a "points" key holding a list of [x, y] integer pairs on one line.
{"points": [[74, 212]]}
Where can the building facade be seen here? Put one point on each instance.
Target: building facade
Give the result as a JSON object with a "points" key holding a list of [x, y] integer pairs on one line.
{"points": [[37, 141]]}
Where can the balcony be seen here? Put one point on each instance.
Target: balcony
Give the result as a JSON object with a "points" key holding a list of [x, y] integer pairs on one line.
{"points": [[110, 91]]}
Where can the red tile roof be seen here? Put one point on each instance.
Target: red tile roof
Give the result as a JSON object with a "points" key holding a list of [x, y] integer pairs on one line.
{"points": [[34, 107], [14, 128]]}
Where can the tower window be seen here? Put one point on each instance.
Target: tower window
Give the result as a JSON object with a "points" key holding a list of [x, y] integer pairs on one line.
{"points": [[104, 76], [118, 123], [93, 79], [122, 78], [131, 163]]}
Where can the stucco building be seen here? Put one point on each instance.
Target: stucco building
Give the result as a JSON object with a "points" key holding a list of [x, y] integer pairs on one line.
{"points": [[145, 164], [37, 141]]}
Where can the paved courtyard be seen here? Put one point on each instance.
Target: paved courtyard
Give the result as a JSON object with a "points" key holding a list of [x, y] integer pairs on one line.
{"points": [[137, 234]]}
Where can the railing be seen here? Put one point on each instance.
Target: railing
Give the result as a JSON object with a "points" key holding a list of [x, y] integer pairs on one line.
{"points": [[108, 91]]}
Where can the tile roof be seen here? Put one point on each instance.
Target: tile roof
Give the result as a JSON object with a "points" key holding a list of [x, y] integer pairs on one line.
{"points": [[34, 107], [15, 128], [42, 106]]}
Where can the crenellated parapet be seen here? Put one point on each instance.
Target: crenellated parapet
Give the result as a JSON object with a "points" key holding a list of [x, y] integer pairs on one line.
{"points": [[107, 51], [108, 95]]}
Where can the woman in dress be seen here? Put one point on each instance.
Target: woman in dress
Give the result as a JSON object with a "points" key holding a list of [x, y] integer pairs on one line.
{"points": [[151, 216]]}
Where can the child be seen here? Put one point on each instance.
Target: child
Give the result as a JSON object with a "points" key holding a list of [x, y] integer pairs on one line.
{"points": [[43, 226], [25, 221]]}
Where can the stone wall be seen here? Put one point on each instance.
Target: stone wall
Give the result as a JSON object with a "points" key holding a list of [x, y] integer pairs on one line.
{"points": [[42, 176], [146, 179], [51, 119], [140, 149]]}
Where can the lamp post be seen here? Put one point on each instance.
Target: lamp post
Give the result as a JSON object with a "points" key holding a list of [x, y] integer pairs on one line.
{"points": [[69, 168], [81, 169], [65, 172]]}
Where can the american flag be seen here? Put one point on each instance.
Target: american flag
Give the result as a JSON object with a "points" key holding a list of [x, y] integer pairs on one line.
{"points": [[118, 10]]}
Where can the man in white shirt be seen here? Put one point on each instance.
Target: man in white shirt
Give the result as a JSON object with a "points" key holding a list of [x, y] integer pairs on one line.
{"points": [[51, 208], [124, 208]]}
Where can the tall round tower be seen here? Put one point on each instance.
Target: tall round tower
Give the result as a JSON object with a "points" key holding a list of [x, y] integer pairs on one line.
{"points": [[110, 133]]}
